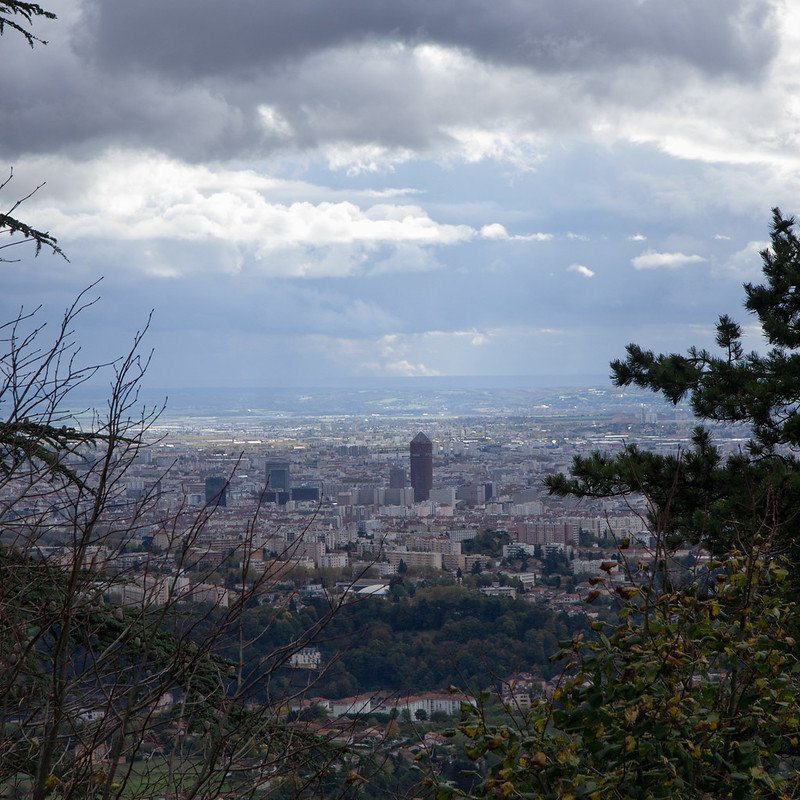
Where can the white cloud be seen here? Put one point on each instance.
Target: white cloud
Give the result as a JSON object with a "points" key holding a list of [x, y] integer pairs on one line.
{"points": [[406, 369], [387, 193], [494, 231], [358, 159], [457, 351], [637, 237], [581, 237], [125, 196], [274, 122], [497, 231], [473, 144], [581, 269], [534, 237], [391, 357], [721, 236], [654, 260], [746, 263]]}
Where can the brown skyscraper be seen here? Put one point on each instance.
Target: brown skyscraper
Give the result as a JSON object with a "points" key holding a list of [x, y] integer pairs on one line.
{"points": [[421, 467]]}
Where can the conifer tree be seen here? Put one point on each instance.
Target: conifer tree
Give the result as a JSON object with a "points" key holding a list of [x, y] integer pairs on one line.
{"points": [[19, 16], [690, 690], [697, 495]]}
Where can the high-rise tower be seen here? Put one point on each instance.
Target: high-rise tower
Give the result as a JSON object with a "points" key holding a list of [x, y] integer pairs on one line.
{"points": [[421, 467], [277, 473], [216, 491]]}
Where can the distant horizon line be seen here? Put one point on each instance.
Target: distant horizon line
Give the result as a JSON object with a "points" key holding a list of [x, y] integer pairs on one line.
{"points": [[533, 381]]}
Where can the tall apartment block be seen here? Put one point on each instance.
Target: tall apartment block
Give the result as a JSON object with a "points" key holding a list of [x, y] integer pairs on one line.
{"points": [[216, 491], [397, 478], [277, 473], [421, 467]]}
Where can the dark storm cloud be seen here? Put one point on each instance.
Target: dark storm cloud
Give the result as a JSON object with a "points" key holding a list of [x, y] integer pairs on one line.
{"points": [[190, 38], [191, 78]]}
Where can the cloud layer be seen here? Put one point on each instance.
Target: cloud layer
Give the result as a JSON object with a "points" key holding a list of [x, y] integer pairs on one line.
{"points": [[309, 190]]}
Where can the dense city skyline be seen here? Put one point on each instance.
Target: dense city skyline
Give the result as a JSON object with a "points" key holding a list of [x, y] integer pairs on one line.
{"points": [[402, 189]]}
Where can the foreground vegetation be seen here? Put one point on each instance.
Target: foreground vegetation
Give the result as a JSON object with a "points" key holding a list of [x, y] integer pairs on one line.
{"points": [[693, 692]]}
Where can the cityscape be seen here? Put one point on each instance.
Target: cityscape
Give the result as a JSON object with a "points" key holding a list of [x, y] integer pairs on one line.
{"points": [[347, 505], [364, 494], [399, 401]]}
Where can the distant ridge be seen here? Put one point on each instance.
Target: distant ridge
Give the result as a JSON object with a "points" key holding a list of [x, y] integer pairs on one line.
{"points": [[410, 382], [391, 398]]}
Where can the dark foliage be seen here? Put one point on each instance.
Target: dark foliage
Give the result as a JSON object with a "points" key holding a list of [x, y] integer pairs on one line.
{"points": [[698, 495], [19, 16], [445, 635]]}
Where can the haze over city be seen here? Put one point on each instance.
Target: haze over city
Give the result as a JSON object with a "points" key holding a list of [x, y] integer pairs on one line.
{"points": [[307, 193]]}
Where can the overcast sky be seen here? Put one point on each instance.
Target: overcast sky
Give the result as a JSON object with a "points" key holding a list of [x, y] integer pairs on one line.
{"points": [[311, 190]]}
